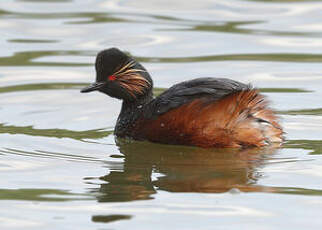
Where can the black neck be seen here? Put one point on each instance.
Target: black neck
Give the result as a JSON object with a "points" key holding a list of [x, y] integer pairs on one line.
{"points": [[130, 112]]}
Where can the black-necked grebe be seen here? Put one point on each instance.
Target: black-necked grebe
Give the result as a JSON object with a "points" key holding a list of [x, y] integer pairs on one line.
{"points": [[205, 112]]}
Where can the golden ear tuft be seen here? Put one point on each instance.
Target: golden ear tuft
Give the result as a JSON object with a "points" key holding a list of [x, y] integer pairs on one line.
{"points": [[131, 79]]}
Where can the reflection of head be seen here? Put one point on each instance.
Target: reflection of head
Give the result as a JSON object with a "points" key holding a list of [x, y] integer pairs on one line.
{"points": [[133, 183], [182, 169]]}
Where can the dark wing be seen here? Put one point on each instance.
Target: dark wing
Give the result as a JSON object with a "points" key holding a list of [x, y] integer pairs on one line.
{"points": [[187, 91]]}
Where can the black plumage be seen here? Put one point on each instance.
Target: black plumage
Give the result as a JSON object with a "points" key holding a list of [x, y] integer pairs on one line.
{"points": [[211, 88]]}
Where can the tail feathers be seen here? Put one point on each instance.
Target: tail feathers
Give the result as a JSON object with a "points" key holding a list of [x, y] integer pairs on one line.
{"points": [[239, 119], [256, 120]]}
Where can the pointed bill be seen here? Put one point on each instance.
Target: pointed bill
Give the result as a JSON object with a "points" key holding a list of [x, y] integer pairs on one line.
{"points": [[92, 87]]}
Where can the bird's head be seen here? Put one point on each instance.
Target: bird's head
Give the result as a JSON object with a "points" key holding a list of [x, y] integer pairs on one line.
{"points": [[119, 75]]}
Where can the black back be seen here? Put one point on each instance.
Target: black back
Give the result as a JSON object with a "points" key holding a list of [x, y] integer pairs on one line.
{"points": [[187, 91]]}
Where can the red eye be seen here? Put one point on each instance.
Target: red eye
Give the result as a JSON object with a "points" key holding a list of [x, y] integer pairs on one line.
{"points": [[111, 77]]}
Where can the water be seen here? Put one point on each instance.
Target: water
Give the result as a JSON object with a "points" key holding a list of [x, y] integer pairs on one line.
{"points": [[60, 165]]}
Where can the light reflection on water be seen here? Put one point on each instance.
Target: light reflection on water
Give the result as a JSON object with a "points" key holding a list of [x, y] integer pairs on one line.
{"points": [[60, 163]]}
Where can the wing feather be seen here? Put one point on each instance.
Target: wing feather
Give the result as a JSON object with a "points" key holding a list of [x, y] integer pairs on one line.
{"points": [[185, 92]]}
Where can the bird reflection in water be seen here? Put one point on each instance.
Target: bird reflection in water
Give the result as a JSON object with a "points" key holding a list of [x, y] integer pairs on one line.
{"points": [[182, 169]]}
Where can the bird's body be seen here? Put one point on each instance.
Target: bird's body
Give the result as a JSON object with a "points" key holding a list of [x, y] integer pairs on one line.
{"points": [[205, 112]]}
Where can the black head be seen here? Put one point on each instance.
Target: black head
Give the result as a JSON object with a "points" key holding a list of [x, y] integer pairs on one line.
{"points": [[119, 75]]}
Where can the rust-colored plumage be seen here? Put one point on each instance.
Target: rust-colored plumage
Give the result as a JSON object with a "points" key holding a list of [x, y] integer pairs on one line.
{"points": [[240, 119]]}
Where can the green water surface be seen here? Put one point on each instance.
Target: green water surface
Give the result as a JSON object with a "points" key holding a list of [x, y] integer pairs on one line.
{"points": [[61, 166]]}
